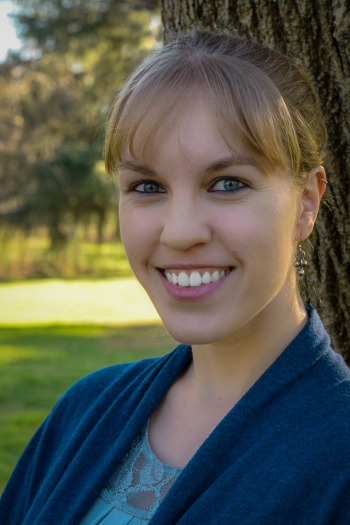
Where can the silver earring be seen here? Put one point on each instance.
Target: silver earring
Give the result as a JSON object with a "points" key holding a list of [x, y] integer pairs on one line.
{"points": [[300, 262]]}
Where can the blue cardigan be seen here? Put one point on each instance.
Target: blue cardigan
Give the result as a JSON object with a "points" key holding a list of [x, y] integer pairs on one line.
{"points": [[281, 455]]}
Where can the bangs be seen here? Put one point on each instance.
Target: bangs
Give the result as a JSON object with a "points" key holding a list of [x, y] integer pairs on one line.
{"points": [[245, 103]]}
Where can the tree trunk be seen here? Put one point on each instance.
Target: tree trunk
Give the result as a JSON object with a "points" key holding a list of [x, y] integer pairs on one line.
{"points": [[316, 33]]}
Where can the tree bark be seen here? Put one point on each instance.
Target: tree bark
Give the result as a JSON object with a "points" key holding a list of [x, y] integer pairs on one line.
{"points": [[316, 33]]}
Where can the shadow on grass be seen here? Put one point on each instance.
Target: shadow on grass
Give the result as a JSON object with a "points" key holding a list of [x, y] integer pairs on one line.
{"points": [[37, 365]]}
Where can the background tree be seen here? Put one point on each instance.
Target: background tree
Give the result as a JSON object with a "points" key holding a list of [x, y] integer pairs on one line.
{"points": [[316, 34], [55, 95]]}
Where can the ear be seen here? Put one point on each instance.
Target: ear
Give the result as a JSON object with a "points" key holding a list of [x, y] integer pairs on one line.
{"points": [[310, 202]]}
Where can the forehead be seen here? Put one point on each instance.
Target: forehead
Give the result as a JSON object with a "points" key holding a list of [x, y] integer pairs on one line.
{"points": [[189, 134]]}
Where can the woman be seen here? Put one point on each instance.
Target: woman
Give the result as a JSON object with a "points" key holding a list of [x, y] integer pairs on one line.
{"points": [[219, 144]]}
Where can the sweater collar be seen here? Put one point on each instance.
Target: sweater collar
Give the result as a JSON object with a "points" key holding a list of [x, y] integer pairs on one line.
{"points": [[301, 354]]}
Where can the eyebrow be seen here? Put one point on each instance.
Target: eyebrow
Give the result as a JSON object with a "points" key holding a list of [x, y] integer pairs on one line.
{"points": [[217, 165], [140, 168], [228, 162]]}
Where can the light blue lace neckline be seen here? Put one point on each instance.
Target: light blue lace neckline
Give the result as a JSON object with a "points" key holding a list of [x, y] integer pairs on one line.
{"points": [[141, 481]]}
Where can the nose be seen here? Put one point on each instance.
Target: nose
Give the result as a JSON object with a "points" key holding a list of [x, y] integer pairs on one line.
{"points": [[185, 225]]}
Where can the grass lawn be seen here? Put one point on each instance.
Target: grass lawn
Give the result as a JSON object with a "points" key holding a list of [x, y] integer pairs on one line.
{"points": [[37, 364], [60, 301]]}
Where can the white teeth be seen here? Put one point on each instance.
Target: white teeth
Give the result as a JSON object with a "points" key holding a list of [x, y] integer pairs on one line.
{"points": [[183, 279], [215, 276], [206, 278], [195, 279]]}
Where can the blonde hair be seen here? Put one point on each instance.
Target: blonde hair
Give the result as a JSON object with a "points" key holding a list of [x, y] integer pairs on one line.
{"points": [[255, 92]]}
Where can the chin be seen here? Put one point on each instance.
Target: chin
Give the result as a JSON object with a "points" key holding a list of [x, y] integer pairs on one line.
{"points": [[195, 335]]}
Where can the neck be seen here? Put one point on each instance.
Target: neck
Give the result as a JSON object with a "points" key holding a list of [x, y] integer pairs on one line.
{"points": [[225, 370]]}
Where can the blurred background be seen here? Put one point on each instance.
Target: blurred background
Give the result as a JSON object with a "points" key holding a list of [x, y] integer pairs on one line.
{"points": [[58, 210], [68, 301]]}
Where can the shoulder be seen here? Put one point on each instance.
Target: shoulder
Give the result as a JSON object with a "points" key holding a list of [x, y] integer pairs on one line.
{"points": [[331, 376], [322, 408], [97, 381], [331, 390], [312, 390], [94, 393], [105, 384], [81, 408], [326, 370]]}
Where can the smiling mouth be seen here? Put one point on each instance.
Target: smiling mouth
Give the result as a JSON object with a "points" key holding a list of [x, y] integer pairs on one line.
{"points": [[191, 278]]}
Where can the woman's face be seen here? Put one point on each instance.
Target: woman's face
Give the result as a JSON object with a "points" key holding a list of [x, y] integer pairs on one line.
{"points": [[211, 223]]}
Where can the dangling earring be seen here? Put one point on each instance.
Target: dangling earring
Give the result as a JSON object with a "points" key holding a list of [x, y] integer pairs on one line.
{"points": [[300, 261]]}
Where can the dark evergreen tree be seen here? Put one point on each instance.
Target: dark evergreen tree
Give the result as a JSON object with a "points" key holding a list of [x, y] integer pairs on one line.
{"points": [[56, 94]]}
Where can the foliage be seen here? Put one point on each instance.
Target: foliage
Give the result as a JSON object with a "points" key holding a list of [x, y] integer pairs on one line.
{"points": [[55, 96], [30, 257]]}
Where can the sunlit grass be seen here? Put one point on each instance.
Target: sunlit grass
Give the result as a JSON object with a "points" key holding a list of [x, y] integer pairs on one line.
{"points": [[39, 363], [48, 301]]}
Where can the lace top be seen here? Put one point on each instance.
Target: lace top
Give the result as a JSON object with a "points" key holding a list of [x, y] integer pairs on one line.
{"points": [[135, 490]]}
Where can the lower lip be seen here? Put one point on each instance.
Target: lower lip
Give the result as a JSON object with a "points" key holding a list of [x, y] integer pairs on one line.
{"points": [[192, 293]]}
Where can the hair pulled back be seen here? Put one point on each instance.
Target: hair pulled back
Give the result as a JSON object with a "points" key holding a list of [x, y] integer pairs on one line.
{"points": [[255, 92]]}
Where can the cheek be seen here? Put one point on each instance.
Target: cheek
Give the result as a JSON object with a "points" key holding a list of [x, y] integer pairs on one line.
{"points": [[274, 241], [139, 233], [260, 234]]}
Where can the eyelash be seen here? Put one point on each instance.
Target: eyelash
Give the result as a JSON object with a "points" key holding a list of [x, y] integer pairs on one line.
{"points": [[228, 179], [144, 181], [224, 179]]}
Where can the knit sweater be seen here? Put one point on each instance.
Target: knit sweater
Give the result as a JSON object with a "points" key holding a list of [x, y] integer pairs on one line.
{"points": [[280, 456]]}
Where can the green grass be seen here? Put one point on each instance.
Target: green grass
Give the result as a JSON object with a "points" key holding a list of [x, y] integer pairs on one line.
{"points": [[37, 364], [120, 301]]}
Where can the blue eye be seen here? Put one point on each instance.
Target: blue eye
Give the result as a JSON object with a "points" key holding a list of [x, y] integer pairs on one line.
{"points": [[227, 185], [148, 187]]}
